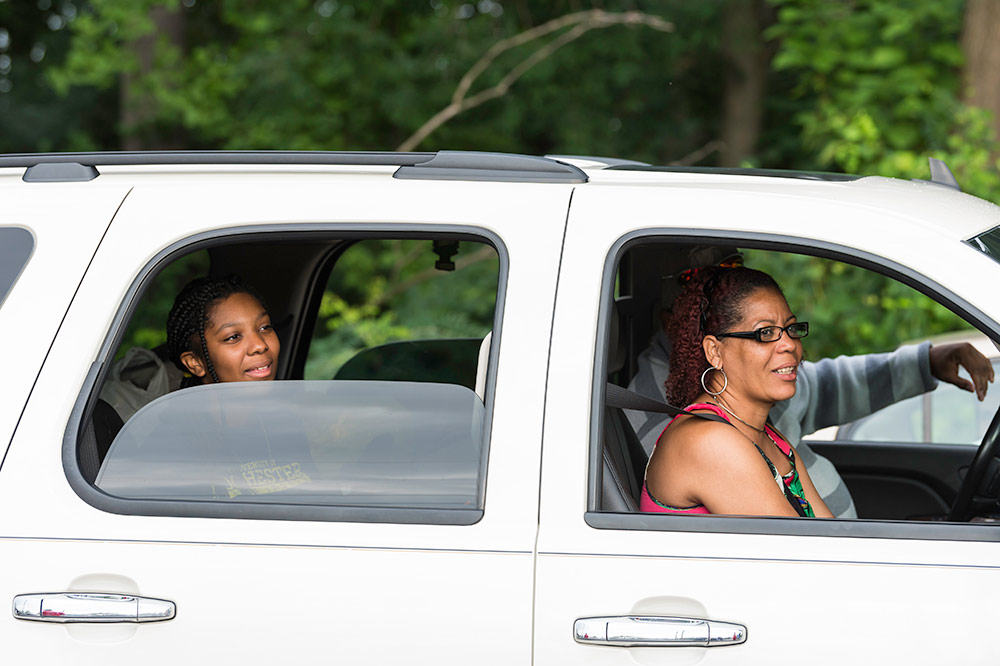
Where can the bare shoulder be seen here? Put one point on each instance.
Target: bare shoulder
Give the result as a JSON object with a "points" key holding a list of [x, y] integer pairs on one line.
{"points": [[703, 441]]}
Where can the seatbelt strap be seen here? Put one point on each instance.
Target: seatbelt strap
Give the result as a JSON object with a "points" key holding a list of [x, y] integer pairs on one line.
{"points": [[622, 398], [616, 396]]}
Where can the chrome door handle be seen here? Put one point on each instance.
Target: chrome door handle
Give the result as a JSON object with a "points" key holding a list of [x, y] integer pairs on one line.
{"points": [[91, 607], [656, 631]]}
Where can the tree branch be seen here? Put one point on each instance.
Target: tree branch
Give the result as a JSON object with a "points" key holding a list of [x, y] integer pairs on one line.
{"points": [[693, 158], [579, 24]]}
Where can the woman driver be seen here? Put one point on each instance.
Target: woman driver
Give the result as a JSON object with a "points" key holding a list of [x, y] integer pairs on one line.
{"points": [[736, 349], [219, 331]]}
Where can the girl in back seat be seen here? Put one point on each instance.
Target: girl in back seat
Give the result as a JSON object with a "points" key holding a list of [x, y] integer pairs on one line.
{"points": [[220, 331]]}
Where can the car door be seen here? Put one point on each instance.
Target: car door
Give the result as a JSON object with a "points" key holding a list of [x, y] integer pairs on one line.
{"points": [[778, 589], [293, 585]]}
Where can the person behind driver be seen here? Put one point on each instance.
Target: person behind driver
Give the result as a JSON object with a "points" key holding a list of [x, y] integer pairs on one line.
{"points": [[829, 391]]}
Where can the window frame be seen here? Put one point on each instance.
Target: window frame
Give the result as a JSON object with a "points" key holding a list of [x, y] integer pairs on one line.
{"points": [[598, 519], [89, 392]]}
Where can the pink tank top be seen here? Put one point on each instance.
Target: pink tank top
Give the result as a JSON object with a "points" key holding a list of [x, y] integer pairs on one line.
{"points": [[649, 504]]}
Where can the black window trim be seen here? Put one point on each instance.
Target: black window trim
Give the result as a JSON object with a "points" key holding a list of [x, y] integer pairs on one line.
{"points": [[976, 242], [85, 401], [747, 525]]}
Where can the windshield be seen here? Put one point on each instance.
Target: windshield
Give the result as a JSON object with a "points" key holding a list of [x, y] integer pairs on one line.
{"points": [[988, 243]]}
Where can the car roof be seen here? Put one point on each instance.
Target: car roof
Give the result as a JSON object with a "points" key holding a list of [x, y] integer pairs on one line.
{"points": [[930, 204]]}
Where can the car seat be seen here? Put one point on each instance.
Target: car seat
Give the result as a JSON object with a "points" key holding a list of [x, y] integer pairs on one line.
{"points": [[624, 458]]}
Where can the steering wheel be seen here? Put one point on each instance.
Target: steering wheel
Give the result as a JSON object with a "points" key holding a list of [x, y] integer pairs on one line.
{"points": [[972, 495]]}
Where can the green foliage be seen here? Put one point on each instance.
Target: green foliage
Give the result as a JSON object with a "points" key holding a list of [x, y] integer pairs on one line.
{"points": [[384, 291], [147, 327], [852, 310], [882, 83], [33, 117], [861, 86], [299, 74]]}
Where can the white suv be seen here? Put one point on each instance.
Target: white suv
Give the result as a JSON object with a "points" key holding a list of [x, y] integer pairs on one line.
{"points": [[457, 503]]}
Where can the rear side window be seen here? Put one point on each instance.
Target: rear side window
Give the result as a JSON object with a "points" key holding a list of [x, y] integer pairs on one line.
{"points": [[376, 353], [357, 443], [16, 245]]}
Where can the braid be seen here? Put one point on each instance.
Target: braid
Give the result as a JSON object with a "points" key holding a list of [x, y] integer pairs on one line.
{"points": [[204, 350], [711, 303], [189, 316]]}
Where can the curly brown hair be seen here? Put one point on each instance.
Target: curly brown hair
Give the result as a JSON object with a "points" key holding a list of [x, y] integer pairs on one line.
{"points": [[711, 302]]}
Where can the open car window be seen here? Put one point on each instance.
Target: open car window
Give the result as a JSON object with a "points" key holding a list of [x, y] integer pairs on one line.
{"points": [[380, 405], [880, 437], [945, 415]]}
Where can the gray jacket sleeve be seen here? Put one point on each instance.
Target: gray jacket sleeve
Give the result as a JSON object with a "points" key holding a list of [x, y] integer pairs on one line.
{"points": [[840, 390]]}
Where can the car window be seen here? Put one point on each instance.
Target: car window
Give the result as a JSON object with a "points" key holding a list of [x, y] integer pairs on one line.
{"points": [[943, 416], [357, 443], [860, 374], [16, 245], [405, 309], [988, 243], [380, 400]]}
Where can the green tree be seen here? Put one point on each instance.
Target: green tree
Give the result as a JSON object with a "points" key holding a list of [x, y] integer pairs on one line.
{"points": [[853, 310], [880, 83]]}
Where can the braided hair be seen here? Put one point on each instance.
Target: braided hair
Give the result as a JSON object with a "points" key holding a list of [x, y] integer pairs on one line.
{"points": [[189, 316], [711, 302]]}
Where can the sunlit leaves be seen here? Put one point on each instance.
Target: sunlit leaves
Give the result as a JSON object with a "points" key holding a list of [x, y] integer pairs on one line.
{"points": [[879, 84]]}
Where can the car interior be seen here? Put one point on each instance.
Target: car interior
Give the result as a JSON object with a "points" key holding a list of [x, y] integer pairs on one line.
{"points": [[309, 281], [889, 477], [348, 307]]}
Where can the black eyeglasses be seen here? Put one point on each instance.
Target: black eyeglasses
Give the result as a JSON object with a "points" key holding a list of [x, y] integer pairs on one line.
{"points": [[799, 329]]}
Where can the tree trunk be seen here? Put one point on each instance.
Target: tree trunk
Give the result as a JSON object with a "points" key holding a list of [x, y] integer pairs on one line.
{"points": [[139, 109], [981, 44], [747, 61]]}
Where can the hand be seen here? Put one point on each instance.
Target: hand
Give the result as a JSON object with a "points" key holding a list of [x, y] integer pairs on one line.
{"points": [[946, 359]]}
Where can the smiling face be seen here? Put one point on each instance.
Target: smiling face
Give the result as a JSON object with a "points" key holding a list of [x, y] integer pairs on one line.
{"points": [[242, 344], [761, 371]]}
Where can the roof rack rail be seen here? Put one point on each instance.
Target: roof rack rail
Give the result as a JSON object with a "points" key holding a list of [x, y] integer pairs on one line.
{"points": [[445, 164], [60, 172], [940, 175], [589, 160], [504, 167], [83, 166]]}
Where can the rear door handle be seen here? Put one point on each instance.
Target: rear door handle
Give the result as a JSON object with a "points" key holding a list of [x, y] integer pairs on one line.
{"points": [[656, 631], [91, 607]]}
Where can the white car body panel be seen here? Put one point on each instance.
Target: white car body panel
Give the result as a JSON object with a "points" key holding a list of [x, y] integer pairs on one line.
{"points": [[508, 588], [66, 230], [367, 592], [823, 599]]}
